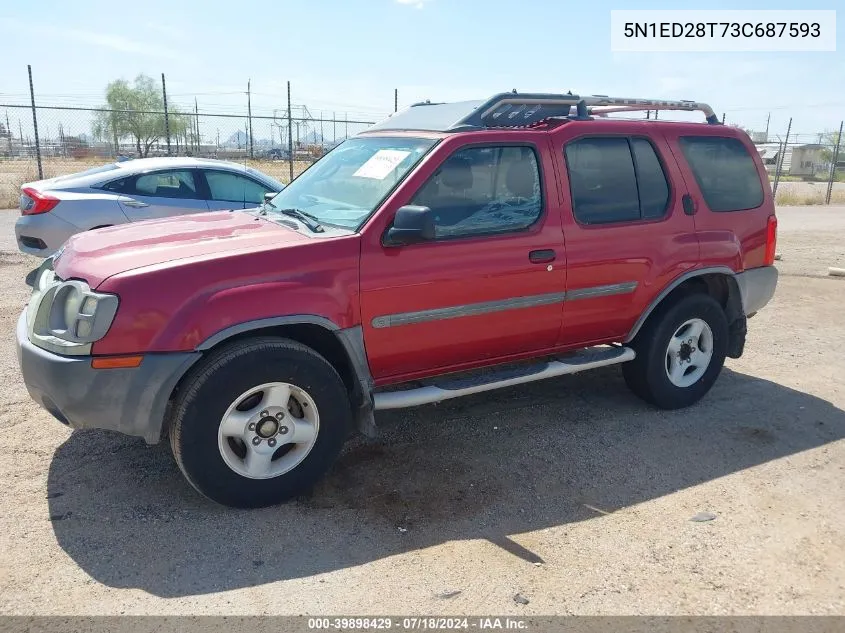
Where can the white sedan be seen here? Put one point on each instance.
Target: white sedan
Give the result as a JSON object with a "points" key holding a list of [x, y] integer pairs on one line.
{"points": [[54, 209]]}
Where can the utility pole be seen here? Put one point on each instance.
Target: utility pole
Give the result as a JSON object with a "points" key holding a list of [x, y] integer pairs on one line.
{"points": [[166, 116], [768, 119], [35, 124], [290, 136], [249, 113], [396, 99], [197, 119]]}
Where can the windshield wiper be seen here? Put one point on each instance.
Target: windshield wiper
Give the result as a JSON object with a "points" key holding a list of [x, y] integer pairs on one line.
{"points": [[311, 221]]}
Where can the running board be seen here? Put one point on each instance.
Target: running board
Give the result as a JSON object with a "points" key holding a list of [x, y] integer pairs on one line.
{"points": [[589, 358]]}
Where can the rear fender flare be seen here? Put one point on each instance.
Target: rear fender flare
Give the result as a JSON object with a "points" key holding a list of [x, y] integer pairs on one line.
{"points": [[733, 297]]}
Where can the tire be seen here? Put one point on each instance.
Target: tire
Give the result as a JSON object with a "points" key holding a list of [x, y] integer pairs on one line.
{"points": [[243, 385], [648, 375]]}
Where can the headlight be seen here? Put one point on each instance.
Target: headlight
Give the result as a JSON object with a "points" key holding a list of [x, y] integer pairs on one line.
{"points": [[67, 316]]}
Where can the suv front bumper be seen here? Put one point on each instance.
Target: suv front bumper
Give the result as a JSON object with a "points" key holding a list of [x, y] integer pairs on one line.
{"points": [[130, 401]]}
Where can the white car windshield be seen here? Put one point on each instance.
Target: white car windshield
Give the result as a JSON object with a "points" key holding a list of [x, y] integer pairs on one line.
{"points": [[347, 184]]}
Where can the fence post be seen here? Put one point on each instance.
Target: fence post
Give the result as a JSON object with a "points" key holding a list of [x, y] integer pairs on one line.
{"points": [[780, 160], [290, 135], [833, 166], [334, 128], [197, 125], [249, 114], [166, 115], [35, 124]]}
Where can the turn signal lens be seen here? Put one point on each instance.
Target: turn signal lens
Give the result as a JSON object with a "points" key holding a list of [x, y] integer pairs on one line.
{"points": [[116, 362]]}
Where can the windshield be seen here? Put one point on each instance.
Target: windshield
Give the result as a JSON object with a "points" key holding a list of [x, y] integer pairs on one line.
{"points": [[347, 184]]}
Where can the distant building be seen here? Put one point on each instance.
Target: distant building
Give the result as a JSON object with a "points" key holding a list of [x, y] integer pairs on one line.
{"points": [[769, 153], [808, 160]]}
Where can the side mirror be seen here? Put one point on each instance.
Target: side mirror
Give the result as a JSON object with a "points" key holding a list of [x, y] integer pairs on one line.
{"points": [[412, 224], [269, 195]]}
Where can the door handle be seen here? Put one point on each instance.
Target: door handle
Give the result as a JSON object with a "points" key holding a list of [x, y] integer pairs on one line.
{"points": [[543, 256], [137, 204], [689, 204]]}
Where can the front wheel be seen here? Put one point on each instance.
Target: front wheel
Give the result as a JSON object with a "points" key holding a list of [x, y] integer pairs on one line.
{"points": [[680, 353], [259, 422]]}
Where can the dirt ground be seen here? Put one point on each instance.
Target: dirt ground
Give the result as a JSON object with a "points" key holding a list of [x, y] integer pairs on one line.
{"points": [[570, 492]]}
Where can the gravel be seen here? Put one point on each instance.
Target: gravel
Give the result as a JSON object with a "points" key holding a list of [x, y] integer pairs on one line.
{"points": [[570, 493]]}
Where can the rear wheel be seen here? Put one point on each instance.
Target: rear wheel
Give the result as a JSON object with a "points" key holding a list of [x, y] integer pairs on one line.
{"points": [[680, 352], [260, 422]]}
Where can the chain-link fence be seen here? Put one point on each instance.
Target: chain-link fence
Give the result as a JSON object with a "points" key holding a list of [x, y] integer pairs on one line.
{"points": [[42, 141], [806, 168], [68, 140]]}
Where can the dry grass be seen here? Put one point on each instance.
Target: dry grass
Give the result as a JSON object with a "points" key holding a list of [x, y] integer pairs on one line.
{"points": [[14, 173], [792, 196]]}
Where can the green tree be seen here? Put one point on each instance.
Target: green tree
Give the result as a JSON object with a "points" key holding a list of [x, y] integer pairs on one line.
{"points": [[136, 111], [829, 140]]}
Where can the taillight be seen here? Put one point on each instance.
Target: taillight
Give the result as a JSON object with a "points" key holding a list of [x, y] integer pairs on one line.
{"points": [[34, 202], [771, 240]]}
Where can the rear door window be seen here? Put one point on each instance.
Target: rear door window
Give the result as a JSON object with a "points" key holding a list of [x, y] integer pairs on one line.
{"points": [[171, 183], [651, 180], [724, 171], [615, 179]]}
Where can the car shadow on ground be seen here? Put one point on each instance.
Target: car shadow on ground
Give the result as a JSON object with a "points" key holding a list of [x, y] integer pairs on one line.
{"points": [[488, 466]]}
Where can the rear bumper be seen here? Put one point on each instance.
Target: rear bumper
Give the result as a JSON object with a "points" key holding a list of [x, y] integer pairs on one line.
{"points": [[31, 231], [130, 401], [757, 287]]}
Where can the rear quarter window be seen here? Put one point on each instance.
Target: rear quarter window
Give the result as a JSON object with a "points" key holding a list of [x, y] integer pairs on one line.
{"points": [[724, 171]]}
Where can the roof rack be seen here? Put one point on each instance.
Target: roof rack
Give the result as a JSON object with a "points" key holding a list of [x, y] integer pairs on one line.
{"points": [[511, 109]]}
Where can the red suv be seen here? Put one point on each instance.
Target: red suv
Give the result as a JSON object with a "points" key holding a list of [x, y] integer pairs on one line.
{"points": [[448, 250]]}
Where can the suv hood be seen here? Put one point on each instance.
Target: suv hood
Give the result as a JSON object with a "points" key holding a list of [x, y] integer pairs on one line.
{"points": [[97, 255]]}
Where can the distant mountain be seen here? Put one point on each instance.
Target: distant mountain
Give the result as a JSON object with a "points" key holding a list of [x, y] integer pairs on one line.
{"points": [[240, 139]]}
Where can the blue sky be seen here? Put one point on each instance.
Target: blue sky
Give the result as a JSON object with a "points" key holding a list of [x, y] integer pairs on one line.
{"points": [[345, 55]]}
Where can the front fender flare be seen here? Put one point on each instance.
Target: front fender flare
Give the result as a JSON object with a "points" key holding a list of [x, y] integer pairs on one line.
{"points": [[351, 339]]}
